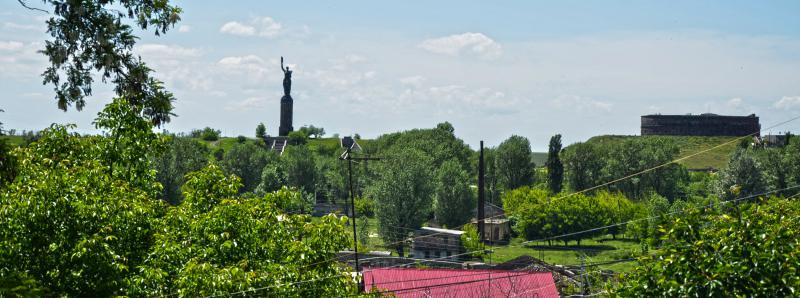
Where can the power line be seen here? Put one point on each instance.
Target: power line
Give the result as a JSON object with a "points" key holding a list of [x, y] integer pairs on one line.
{"points": [[572, 194]]}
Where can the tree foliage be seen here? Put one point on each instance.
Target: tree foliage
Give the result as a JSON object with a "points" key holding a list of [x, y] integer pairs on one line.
{"points": [[743, 177], [261, 131], [182, 155], [453, 199], [589, 164], [312, 131], [555, 169], [710, 253], [539, 216], [299, 164], [514, 164], [70, 225], [403, 192], [247, 161], [217, 244], [92, 36]]}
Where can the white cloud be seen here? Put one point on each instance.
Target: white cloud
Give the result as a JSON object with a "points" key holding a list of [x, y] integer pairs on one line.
{"points": [[10, 45], [454, 45], [580, 103], [260, 26], [734, 103], [247, 104], [237, 28], [240, 60], [15, 26], [184, 28], [788, 102], [415, 81], [161, 51]]}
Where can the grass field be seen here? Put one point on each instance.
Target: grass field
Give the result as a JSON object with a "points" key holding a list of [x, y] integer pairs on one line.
{"points": [[597, 250], [14, 140], [716, 158]]}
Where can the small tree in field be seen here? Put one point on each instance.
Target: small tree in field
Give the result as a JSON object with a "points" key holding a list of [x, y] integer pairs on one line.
{"points": [[261, 131]]}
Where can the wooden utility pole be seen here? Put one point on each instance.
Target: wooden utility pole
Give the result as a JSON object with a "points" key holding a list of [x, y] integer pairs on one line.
{"points": [[481, 194]]}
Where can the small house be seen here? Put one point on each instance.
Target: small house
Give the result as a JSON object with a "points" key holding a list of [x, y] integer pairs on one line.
{"points": [[435, 243]]}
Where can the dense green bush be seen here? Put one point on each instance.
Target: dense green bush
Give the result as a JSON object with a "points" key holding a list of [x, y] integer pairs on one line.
{"points": [[538, 215], [713, 253]]}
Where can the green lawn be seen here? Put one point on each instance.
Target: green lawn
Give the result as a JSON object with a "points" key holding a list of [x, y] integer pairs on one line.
{"points": [[14, 141], [597, 250]]}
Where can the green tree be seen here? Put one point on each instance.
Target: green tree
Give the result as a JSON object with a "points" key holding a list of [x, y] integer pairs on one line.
{"points": [[453, 199], [273, 177], [472, 241], [514, 164], [299, 165], [297, 138], [130, 146], [216, 244], [743, 177], [555, 169], [403, 192], [708, 253], [439, 143], [261, 131], [312, 131], [68, 226], [584, 166], [95, 37], [182, 155], [246, 161]]}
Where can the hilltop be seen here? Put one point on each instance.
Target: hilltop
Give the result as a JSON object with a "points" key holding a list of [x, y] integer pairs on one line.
{"points": [[716, 158]]}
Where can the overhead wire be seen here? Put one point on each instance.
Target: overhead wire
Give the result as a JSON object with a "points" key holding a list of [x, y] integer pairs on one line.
{"points": [[565, 196]]}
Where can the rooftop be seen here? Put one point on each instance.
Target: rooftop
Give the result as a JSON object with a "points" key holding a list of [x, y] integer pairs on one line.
{"points": [[444, 231], [413, 282]]}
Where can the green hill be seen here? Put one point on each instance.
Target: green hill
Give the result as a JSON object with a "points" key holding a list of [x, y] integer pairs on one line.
{"points": [[716, 158]]}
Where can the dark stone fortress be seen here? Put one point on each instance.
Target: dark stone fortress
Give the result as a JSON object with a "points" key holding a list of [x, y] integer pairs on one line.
{"points": [[700, 125]]}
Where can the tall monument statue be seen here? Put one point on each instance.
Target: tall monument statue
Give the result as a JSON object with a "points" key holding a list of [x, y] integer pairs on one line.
{"points": [[287, 79], [286, 102]]}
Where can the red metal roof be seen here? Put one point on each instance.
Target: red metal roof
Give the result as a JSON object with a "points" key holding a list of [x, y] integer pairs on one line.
{"points": [[411, 282]]}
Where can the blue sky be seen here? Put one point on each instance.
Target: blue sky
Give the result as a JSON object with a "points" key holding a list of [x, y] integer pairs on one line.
{"points": [[529, 68]]}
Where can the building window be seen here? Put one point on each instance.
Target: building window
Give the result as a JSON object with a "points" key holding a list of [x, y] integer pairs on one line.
{"points": [[427, 254]]}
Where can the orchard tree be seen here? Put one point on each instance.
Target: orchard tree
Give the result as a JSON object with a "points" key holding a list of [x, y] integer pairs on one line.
{"points": [[403, 192], [514, 165], [555, 169], [453, 199]]}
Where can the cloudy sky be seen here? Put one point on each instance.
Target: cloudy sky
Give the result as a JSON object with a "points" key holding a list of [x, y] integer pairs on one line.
{"points": [[524, 67]]}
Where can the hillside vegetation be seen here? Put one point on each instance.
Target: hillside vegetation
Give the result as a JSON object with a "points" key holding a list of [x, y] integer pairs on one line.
{"points": [[716, 158]]}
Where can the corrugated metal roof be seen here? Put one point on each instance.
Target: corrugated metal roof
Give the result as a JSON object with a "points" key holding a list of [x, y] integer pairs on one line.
{"points": [[444, 231], [411, 282]]}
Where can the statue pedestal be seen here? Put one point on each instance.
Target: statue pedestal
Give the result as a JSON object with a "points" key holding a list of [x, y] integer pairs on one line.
{"points": [[286, 116]]}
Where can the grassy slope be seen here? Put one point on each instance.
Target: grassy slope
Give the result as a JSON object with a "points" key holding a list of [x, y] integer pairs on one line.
{"points": [[600, 249], [716, 158], [14, 140]]}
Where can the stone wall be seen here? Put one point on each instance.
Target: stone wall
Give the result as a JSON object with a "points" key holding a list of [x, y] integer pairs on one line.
{"points": [[700, 125]]}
